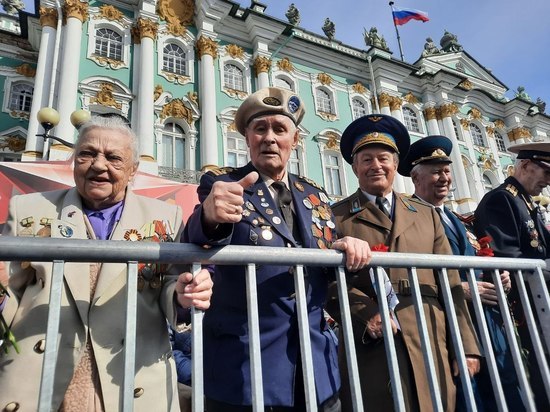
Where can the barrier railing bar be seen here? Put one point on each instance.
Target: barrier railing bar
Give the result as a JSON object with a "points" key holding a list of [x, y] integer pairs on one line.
{"points": [[197, 378], [541, 301], [129, 338], [254, 343]]}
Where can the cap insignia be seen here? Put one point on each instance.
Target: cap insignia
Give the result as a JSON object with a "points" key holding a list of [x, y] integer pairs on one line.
{"points": [[439, 153], [293, 104], [272, 101], [375, 118]]}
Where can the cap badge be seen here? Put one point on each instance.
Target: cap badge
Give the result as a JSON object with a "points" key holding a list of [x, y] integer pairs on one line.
{"points": [[272, 101], [293, 104], [375, 118], [439, 153]]}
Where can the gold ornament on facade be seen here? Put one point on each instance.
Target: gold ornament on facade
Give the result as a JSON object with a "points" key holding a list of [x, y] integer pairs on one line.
{"points": [[411, 98], [206, 45], [48, 17], [262, 64], [430, 113], [384, 99], [134, 31], [232, 127], [19, 115], [359, 88], [181, 11], [499, 124], [176, 108], [109, 12], [438, 114], [490, 131], [239, 94], [13, 143], [76, 9], [176, 78], [447, 110], [465, 124], [235, 51], [158, 91], [26, 70], [466, 84], [147, 28], [107, 61], [519, 133], [285, 65], [324, 79], [332, 142], [395, 103], [487, 160], [105, 97], [475, 113], [193, 97], [175, 28]]}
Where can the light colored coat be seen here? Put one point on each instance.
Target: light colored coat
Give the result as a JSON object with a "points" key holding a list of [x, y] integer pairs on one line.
{"points": [[103, 317], [415, 229]]}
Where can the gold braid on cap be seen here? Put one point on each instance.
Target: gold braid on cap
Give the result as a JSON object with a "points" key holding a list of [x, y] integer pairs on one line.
{"points": [[543, 158], [375, 138], [435, 154]]}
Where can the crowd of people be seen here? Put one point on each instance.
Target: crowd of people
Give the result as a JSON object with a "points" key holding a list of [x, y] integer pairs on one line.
{"points": [[263, 204]]}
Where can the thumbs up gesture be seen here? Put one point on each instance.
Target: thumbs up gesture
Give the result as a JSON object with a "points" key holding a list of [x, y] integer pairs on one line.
{"points": [[224, 204]]}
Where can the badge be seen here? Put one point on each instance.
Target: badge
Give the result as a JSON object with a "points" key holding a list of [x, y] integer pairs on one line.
{"points": [[331, 224], [71, 214], [534, 243], [267, 234], [299, 186], [261, 220], [327, 232], [246, 212], [27, 222], [65, 231], [323, 197], [269, 211], [255, 222], [155, 283], [249, 206], [132, 235], [264, 204], [315, 201], [46, 231], [321, 244], [276, 220], [355, 205], [315, 213], [307, 203], [260, 192], [46, 221], [147, 271], [293, 104], [253, 237], [316, 232]]}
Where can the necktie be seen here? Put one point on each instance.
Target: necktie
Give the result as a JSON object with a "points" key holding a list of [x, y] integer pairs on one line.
{"points": [[383, 205], [284, 199], [446, 221]]}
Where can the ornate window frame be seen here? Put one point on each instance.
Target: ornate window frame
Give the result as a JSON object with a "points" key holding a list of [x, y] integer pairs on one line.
{"points": [[93, 100], [243, 62], [328, 141], [418, 116], [9, 83], [362, 100], [500, 142], [186, 42], [286, 77], [483, 134], [229, 130], [332, 96], [12, 143], [122, 27]]}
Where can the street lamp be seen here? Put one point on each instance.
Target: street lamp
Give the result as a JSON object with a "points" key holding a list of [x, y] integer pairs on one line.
{"points": [[49, 118]]}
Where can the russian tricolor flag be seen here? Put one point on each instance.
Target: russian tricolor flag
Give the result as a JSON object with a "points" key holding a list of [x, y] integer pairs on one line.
{"points": [[402, 16]]}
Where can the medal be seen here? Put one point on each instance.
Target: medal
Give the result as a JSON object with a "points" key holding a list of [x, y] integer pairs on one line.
{"points": [[267, 234], [321, 244], [316, 232], [65, 231], [132, 235], [314, 200], [323, 197], [276, 220], [246, 212], [534, 243], [299, 186], [331, 224], [307, 203], [269, 211], [254, 222], [264, 204], [328, 233]]}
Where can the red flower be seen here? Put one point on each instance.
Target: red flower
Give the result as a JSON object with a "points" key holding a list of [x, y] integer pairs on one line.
{"points": [[380, 248], [484, 248]]}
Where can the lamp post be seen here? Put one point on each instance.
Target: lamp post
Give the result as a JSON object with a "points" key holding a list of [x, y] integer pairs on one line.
{"points": [[49, 118]]}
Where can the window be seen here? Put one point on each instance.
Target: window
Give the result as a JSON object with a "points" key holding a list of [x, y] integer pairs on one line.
{"points": [[237, 154], [21, 97], [410, 119], [283, 83], [332, 174], [499, 140], [457, 134], [324, 102], [173, 146], [477, 135], [174, 59], [108, 43], [233, 77], [487, 185], [359, 108], [294, 161]]}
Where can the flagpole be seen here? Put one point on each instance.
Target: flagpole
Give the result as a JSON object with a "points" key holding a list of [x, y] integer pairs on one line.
{"points": [[397, 32]]}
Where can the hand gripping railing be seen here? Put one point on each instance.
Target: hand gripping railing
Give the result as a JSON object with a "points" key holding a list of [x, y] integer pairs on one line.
{"points": [[60, 251]]}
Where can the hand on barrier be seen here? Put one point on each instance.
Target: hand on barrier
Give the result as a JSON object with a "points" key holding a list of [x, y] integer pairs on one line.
{"points": [[194, 291], [358, 252]]}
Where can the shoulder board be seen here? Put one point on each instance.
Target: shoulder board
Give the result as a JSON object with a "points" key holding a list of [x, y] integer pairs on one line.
{"points": [[512, 189], [353, 202], [221, 171], [466, 219], [416, 200], [407, 203], [311, 182]]}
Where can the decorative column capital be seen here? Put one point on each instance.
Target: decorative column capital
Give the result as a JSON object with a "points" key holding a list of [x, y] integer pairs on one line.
{"points": [[76, 9], [262, 64], [490, 131], [465, 124], [447, 110], [395, 103], [430, 113], [519, 133], [206, 45], [146, 28], [48, 17], [384, 99], [285, 64]]}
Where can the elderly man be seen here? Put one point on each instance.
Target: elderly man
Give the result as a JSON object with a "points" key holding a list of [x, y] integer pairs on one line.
{"points": [[373, 145], [508, 215], [262, 204], [429, 165], [89, 372]]}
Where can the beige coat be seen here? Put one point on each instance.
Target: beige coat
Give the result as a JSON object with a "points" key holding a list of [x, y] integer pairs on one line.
{"points": [[416, 229], [103, 317]]}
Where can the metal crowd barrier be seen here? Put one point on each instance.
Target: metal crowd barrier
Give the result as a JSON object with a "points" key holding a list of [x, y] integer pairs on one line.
{"points": [[60, 251]]}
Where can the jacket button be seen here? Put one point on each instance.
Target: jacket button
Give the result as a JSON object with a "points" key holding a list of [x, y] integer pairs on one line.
{"points": [[11, 407], [40, 346], [138, 392], [291, 270]]}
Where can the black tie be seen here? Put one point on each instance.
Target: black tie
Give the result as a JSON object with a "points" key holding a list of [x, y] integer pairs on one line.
{"points": [[381, 203], [285, 199]]}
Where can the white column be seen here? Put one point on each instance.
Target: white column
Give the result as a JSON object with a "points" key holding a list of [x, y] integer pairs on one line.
{"points": [[42, 84], [431, 120], [146, 104], [395, 111], [262, 65], [208, 131]]}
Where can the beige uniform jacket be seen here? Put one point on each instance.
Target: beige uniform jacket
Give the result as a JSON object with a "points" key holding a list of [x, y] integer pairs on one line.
{"points": [[103, 317]]}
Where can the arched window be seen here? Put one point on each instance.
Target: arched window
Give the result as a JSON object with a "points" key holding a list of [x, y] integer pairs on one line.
{"points": [[237, 154], [333, 167], [21, 97], [174, 59], [477, 135], [283, 83], [233, 77], [173, 146], [324, 101], [410, 119], [499, 140], [108, 43], [359, 108]]}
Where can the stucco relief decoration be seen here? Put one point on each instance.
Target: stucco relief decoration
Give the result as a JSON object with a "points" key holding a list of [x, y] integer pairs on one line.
{"points": [[447, 110], [26, 70], [158, 91], [487, 160], [176, 108], [262, 64], [76, 9], [475, 113], [205, 45], [48, 17], [232, 127], [384, 99], [519, 133], [285, 65], [176, 12], [430, 113], [499, 124], [332, 142], [111, 13], [324, 79], [235, 51], [465, 124], [466, 84], [239, 94], [359, 88], [395, 103], [105, 97], [147, 28], [106, 61], [411, 98], [12, 143], [490, 131], [134, 31], [509, 171]]}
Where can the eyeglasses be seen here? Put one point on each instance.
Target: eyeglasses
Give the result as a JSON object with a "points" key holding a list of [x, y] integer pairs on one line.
{"points": [[87, 156]]}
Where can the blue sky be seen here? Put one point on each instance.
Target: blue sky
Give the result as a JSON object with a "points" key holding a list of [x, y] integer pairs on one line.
{"points": [[509, 37]]}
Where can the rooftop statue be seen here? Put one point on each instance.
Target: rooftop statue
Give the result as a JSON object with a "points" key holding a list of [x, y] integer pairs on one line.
{"points": [[329, 29], [449, 43], [373, 39], [293, 15], [429, 48], [520, 93], [541, 104], [12, 7]]}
